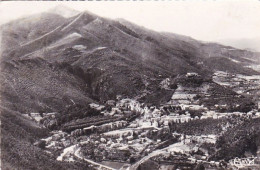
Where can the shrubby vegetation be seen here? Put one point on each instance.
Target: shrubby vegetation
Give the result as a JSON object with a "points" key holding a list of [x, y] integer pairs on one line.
{"points": [[236, 141], [74, 112], [97, 153], [157, 97], [17, 150], [194, 81]]}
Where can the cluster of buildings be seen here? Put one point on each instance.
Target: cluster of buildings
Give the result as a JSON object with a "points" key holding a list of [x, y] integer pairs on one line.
{"points": [[102, 128], [239, 83], [127, 135]]}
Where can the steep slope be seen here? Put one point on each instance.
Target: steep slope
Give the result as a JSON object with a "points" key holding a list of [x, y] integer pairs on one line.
{"points": [[198, 52], [227, 65], [138, 57], [149, 53], [173, 52], [34, 84], [26, 46], [18, 32], [119, 57], [17, 150]]}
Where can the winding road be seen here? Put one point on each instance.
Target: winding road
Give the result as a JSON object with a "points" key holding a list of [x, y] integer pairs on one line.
{"points": [[100, 166]]}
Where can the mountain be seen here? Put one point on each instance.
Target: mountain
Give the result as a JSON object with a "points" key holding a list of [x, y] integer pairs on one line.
{"points": [[19, 32], [64, 11], [99, 59], [62, 58], [117, 52], [251, 44]]}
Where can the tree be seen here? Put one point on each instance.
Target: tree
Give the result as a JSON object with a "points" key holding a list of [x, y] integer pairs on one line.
{"points": [[42, 144], [132, 160], [200, 167]]}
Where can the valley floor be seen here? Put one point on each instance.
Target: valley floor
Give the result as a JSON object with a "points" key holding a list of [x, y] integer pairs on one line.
{"points": [[127, 134]]}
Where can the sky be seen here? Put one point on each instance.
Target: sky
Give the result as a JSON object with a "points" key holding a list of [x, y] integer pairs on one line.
{"points": [[231, 22]]}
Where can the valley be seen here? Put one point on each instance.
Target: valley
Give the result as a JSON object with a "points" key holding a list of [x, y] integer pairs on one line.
{"points": [[183, 130], [89, 92]]}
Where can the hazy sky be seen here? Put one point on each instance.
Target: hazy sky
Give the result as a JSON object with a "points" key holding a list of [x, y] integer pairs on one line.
{"points": [[208, 20]]}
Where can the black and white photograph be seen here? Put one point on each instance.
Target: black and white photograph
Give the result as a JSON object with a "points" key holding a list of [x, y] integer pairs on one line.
{"points": [[130, 85]]}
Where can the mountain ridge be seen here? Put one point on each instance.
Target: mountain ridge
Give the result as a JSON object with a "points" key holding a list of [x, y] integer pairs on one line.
{"points": [[92, 44]]}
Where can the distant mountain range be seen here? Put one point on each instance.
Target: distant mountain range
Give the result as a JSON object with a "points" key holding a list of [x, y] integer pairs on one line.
{"points": [[247, 43]]}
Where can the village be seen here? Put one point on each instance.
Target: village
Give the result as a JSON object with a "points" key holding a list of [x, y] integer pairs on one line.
{"points": [[248, 85], [126, 141]]}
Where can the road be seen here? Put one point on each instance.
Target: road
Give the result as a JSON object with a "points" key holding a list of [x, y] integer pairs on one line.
{"points": [[152, 154], [100, 166], [146, 158]]}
